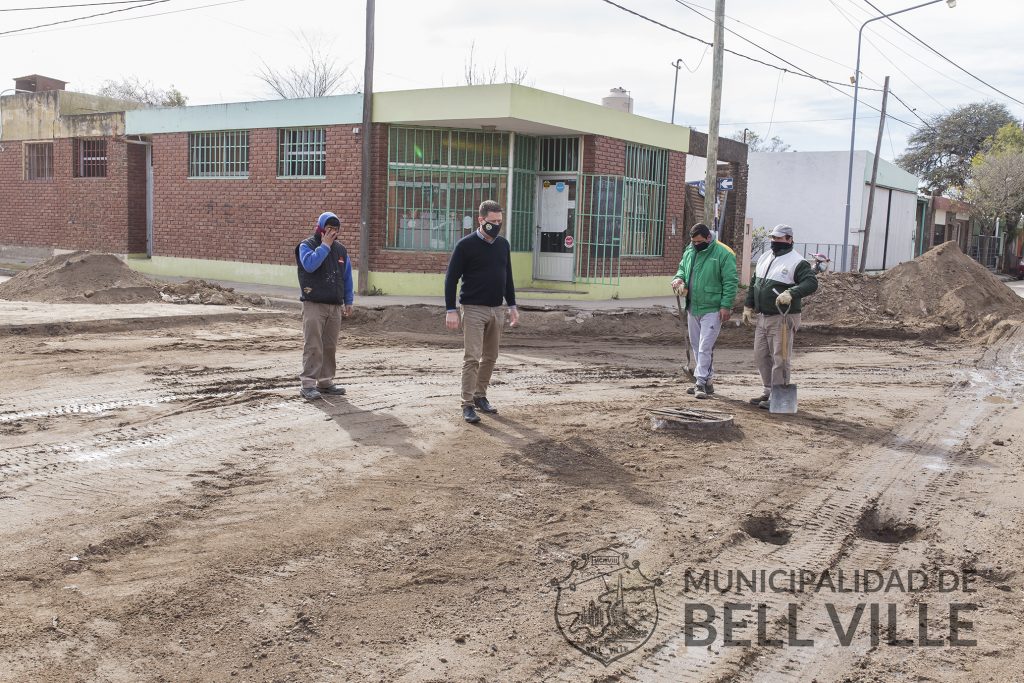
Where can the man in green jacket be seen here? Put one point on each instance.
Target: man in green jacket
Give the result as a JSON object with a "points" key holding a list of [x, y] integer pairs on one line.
{"points": [[707, 278], [781, 279]]}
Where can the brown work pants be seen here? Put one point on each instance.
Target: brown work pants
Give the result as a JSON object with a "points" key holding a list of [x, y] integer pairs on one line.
{"points": [[320, 326], [768, 348], [481, 327]]}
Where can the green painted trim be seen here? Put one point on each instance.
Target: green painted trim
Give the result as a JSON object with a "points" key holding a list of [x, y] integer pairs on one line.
{"points": [[209, 269], [516, 102], [399, 284], [432, 284], [297, 113]]}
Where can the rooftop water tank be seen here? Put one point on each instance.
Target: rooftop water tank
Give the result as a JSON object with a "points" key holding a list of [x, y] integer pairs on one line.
{"points": [[620, 99]]}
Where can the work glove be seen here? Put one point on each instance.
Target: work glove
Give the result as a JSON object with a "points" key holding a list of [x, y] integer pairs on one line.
{"points": [[784, 299], [748, 316]]}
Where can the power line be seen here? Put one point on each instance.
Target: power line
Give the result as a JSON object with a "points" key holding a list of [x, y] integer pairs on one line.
{"points": [[90, 16], [947, 59], [86, 4], [144, 16], [800, 71], [856, 25], [732, 52]]}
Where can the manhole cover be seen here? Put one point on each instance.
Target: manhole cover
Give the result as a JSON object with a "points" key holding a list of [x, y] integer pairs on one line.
{"points": [[688, 418]]}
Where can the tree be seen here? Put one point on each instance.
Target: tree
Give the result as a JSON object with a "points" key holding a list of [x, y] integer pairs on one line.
{"points": [[940, 154], [488, 75], [996, 187], [319, 75], [131, 88], [756, 143]]}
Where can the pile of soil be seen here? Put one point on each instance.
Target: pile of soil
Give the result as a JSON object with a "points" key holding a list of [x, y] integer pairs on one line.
{"points": [[81, 277], [203, 292], [942, 288]]}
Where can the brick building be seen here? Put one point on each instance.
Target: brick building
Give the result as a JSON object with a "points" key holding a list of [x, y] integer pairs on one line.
{"points": [[70, 178], [594, 197]]}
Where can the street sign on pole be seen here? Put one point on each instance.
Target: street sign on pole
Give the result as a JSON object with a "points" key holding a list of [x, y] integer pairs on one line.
{"points": [[725, 184]]}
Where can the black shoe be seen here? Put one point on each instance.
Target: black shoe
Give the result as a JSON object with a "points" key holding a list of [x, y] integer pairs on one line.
{"points": [[469, 415], [763, 398], [310, 393], [709, 389], [484, 405], [333, 390]]}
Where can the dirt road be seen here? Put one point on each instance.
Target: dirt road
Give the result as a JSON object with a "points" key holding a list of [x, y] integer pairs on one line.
{"points": [[174, 512]]}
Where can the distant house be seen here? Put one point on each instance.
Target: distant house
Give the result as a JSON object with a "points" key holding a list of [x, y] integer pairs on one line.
{"points": [[807, 190], [69, 177]]}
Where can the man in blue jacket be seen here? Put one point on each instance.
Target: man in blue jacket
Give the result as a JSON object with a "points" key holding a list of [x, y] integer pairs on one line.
{"points": [[325, 284]]}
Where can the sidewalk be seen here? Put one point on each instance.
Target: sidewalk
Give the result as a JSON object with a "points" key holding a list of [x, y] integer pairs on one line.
{"points": [[289, 296]]}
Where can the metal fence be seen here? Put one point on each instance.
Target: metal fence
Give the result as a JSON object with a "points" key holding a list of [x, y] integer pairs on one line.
{"points": [[985, 250], [832, 251]]}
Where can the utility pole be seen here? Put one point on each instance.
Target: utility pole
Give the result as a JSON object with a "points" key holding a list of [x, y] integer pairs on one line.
{"points": [[711, 176], [364, 204], [675, 87], [874, 177]]}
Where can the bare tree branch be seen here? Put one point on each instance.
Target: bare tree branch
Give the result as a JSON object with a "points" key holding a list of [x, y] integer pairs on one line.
{"points": [[474, 75], [319, 75]]}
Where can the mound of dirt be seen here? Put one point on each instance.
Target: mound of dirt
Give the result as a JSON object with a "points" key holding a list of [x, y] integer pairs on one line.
{"points": [[81, 277], [941, 288], [203, 292]]}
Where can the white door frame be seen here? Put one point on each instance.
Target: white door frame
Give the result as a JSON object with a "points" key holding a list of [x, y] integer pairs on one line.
{"points": [[541, 177]]}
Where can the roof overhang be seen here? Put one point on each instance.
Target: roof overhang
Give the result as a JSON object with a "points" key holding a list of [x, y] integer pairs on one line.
{"points": [[520, 109]]}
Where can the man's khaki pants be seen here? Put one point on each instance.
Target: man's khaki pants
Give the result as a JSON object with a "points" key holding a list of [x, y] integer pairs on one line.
{"points": [[320, 326], [481, 326], [768, 348]]}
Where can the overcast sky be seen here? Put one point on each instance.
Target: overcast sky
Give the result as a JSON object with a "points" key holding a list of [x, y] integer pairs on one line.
{"points": [[579, 48]]}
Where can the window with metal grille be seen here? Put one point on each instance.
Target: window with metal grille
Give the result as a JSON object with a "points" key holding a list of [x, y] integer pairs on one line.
{"points": [[302, 152], [437, 179], [644, 201], [91, 159], [220, 154], [38, 160], [559, 155]]}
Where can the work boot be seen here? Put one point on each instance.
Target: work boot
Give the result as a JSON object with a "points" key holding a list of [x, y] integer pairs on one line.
{"points": [[333, 390], [700, 391], [310, 393], [469, 415], [763, 398], [709, 389], [484, 405]]}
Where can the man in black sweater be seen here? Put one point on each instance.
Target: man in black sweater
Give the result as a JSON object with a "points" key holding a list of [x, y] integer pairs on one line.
{"points": [[483, 261]]}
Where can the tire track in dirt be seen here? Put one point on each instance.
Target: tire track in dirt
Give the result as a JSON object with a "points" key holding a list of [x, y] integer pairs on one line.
{"points": [[824, 522]]}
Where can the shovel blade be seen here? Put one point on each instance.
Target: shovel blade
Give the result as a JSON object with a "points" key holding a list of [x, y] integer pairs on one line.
{"points": [[783, 399]]}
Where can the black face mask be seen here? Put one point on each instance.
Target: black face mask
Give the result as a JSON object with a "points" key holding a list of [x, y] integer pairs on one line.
{"points": [[492, 229], [780, 248], [702, 246]]}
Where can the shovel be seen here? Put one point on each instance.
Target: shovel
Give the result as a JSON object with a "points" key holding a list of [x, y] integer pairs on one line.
{"points": [[687, 372], [783, 396]]}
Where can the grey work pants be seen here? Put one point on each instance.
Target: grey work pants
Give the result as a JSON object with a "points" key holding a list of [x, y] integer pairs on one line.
{"points": [[320, 326], [481, 327], [768, 348], [704, 330]]}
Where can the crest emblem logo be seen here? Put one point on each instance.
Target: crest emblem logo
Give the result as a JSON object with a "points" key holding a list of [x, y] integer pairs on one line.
{"points": [[606, 608]]}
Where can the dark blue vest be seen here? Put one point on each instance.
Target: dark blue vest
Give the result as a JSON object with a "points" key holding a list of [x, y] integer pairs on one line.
{"points": [[326, 284]]}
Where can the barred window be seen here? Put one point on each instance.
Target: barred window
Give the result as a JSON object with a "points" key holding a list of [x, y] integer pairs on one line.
{"points": [[38, 160], [302, 152], [437, 179], [644, 201], [220, 154], [91, 158]]}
